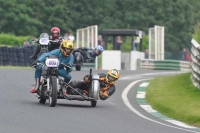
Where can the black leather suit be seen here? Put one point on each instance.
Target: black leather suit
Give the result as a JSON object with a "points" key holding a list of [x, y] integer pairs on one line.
{"points": [[106, 88]]}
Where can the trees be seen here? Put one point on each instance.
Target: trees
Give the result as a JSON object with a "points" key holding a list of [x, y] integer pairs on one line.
{"points": [[25, 17]]}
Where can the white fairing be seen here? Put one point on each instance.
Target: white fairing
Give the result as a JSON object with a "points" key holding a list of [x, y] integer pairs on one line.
{"points": [[52, 62], [44, 41]]}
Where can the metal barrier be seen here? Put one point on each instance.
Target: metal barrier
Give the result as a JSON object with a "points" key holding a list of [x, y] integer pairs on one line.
{"points": [[163, 64], [195, 65]]}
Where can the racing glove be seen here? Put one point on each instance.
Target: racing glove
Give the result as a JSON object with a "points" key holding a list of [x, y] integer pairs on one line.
{"points": [[35, 63], [86, 78], [67, 66]]}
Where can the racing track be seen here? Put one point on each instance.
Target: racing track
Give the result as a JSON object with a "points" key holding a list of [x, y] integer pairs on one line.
{"points": [[21, 112]]}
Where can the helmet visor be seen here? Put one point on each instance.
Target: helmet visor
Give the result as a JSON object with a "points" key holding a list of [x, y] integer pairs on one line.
{"points": [[68, 51], [55, 34], [111, 79]]}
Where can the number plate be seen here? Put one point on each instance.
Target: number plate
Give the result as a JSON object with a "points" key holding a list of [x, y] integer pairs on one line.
{"points": [[52, 62], [44, 41]]}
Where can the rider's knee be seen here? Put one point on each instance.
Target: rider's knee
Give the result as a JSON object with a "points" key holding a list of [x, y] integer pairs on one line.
{"points": [[103, 97]]}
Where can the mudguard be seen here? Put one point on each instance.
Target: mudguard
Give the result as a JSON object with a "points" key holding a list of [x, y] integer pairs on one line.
{"points": [[95, 87]]}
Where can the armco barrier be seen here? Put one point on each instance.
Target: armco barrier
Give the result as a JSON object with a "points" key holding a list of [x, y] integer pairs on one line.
{"points": [[195, 65], [163, 64]]}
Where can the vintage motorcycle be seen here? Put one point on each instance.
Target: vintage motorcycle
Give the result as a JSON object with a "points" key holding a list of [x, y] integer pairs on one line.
{"points": [[78, 60], [51, 85], [48, 81], [82, 55], [44, 43]]}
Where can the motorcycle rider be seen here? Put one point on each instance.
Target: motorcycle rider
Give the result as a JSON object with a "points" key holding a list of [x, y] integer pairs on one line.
{"points": [[107, 84], [88, 53], [55, 36], [64, 55]]}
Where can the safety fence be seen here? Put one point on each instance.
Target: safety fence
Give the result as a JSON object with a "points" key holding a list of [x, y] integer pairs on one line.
{"points": [[195, 64], [163, 65], [14, 56]]}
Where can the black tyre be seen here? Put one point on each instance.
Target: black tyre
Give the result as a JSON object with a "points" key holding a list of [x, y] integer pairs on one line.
{"points": [[42, 100], [78, 68], [53, 91], [93, 103]]}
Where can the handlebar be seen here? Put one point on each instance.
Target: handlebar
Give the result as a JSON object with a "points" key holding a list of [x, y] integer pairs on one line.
{"points": [[36, 65], [55, 40], [66, 65], [90, 75]]}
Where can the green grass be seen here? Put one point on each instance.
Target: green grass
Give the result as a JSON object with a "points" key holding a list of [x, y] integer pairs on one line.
{"points": [[4, 45], [175, 97], [16, 67]]}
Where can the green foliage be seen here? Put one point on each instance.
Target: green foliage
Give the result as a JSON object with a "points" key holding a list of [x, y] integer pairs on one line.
{"points": [[126, 45], [10, 39], [196, 33], [25, 17], [145, 43], [110, 46]]}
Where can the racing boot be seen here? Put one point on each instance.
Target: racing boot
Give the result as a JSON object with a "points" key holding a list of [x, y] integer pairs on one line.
{"points": [[37, 83], [69, 89], [37, 51], [66, 90], [86, 92]]}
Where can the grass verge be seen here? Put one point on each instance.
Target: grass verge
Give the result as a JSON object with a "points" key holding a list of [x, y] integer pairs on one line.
{"points": [[15, 67], [175, 97]]}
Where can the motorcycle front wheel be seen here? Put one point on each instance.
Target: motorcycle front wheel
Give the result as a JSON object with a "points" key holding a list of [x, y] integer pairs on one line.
{"points": [[53, 91]]}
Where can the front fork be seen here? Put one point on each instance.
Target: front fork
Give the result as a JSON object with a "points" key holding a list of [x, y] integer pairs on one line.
{"points": [[48, 81], [48, 89]]}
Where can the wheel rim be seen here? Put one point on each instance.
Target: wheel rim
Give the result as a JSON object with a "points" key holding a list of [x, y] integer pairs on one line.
{"points": [[50, 97]]}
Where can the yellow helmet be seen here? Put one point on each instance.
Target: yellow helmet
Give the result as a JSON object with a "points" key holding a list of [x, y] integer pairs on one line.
{"points": [[112, 76], [66, 44]]}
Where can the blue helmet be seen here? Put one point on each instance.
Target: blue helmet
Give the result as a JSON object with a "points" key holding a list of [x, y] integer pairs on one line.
{"points": [[99, 48]]}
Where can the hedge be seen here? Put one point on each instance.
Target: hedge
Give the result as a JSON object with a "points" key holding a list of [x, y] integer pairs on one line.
{"points": [[12, 40]]}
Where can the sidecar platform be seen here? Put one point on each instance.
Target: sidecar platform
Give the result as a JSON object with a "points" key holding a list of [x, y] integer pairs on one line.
{"points": [[78, 97]]}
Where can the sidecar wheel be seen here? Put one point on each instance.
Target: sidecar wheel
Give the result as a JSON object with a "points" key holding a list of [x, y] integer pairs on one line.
{"points": [[93, 103], [42, 100]]}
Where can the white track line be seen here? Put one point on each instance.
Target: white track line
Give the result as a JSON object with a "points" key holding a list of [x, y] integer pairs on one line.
{"points": [[127, 103]]}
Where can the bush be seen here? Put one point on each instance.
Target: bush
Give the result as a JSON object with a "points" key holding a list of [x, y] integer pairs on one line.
{"points": [[12, 40], [196, 32]]}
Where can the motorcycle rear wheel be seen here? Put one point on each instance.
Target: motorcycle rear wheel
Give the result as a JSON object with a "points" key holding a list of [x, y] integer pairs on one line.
{"points": [[42, 100]]}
